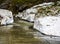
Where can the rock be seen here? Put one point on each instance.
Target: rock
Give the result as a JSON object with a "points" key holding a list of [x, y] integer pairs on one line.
{"points": [[49, 25], [7, 17]]}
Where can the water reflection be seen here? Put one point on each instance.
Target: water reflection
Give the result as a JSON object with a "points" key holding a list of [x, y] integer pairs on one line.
{"points": [[22, 33], [16, 35]]}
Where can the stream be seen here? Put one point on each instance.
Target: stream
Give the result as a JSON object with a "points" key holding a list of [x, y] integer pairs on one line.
{"points": [[21, 32]]}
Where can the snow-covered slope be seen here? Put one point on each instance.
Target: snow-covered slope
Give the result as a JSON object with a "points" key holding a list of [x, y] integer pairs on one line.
{"points": [[6, 17]]}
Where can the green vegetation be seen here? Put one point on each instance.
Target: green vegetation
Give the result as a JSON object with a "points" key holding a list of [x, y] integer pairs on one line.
{"points": [[14, 5], [22, 4], [49, 10]]}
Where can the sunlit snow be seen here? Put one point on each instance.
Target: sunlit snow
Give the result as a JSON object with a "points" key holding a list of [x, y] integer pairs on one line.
{"points": [[7, 17], [49, 25]]}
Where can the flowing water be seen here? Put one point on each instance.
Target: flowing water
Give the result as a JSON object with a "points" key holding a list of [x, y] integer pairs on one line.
{"points": [[22, 32], [18, 33]]}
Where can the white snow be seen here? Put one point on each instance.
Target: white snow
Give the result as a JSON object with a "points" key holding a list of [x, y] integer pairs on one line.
{"points": [[49, 25], [31, 10], [7, 17], [28, 14], [44, 4]]}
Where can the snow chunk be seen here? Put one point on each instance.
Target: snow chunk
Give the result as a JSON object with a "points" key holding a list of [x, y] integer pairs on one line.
{"points": [[49, 25], [31, 10], [28, 14], [7, 17]]}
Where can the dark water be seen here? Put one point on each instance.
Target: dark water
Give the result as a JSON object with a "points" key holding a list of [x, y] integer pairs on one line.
{"points": [[21, 32], [18, 33]]}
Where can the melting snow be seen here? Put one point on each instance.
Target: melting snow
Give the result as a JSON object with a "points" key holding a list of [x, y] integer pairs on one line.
{"points": [[7, 17], [49, 25]]}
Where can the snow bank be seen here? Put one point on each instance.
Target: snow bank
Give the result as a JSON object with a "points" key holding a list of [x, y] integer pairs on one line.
{"points": [[49, 25], [44, 4], [30, 13], [45, 16], [7, 17]]}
